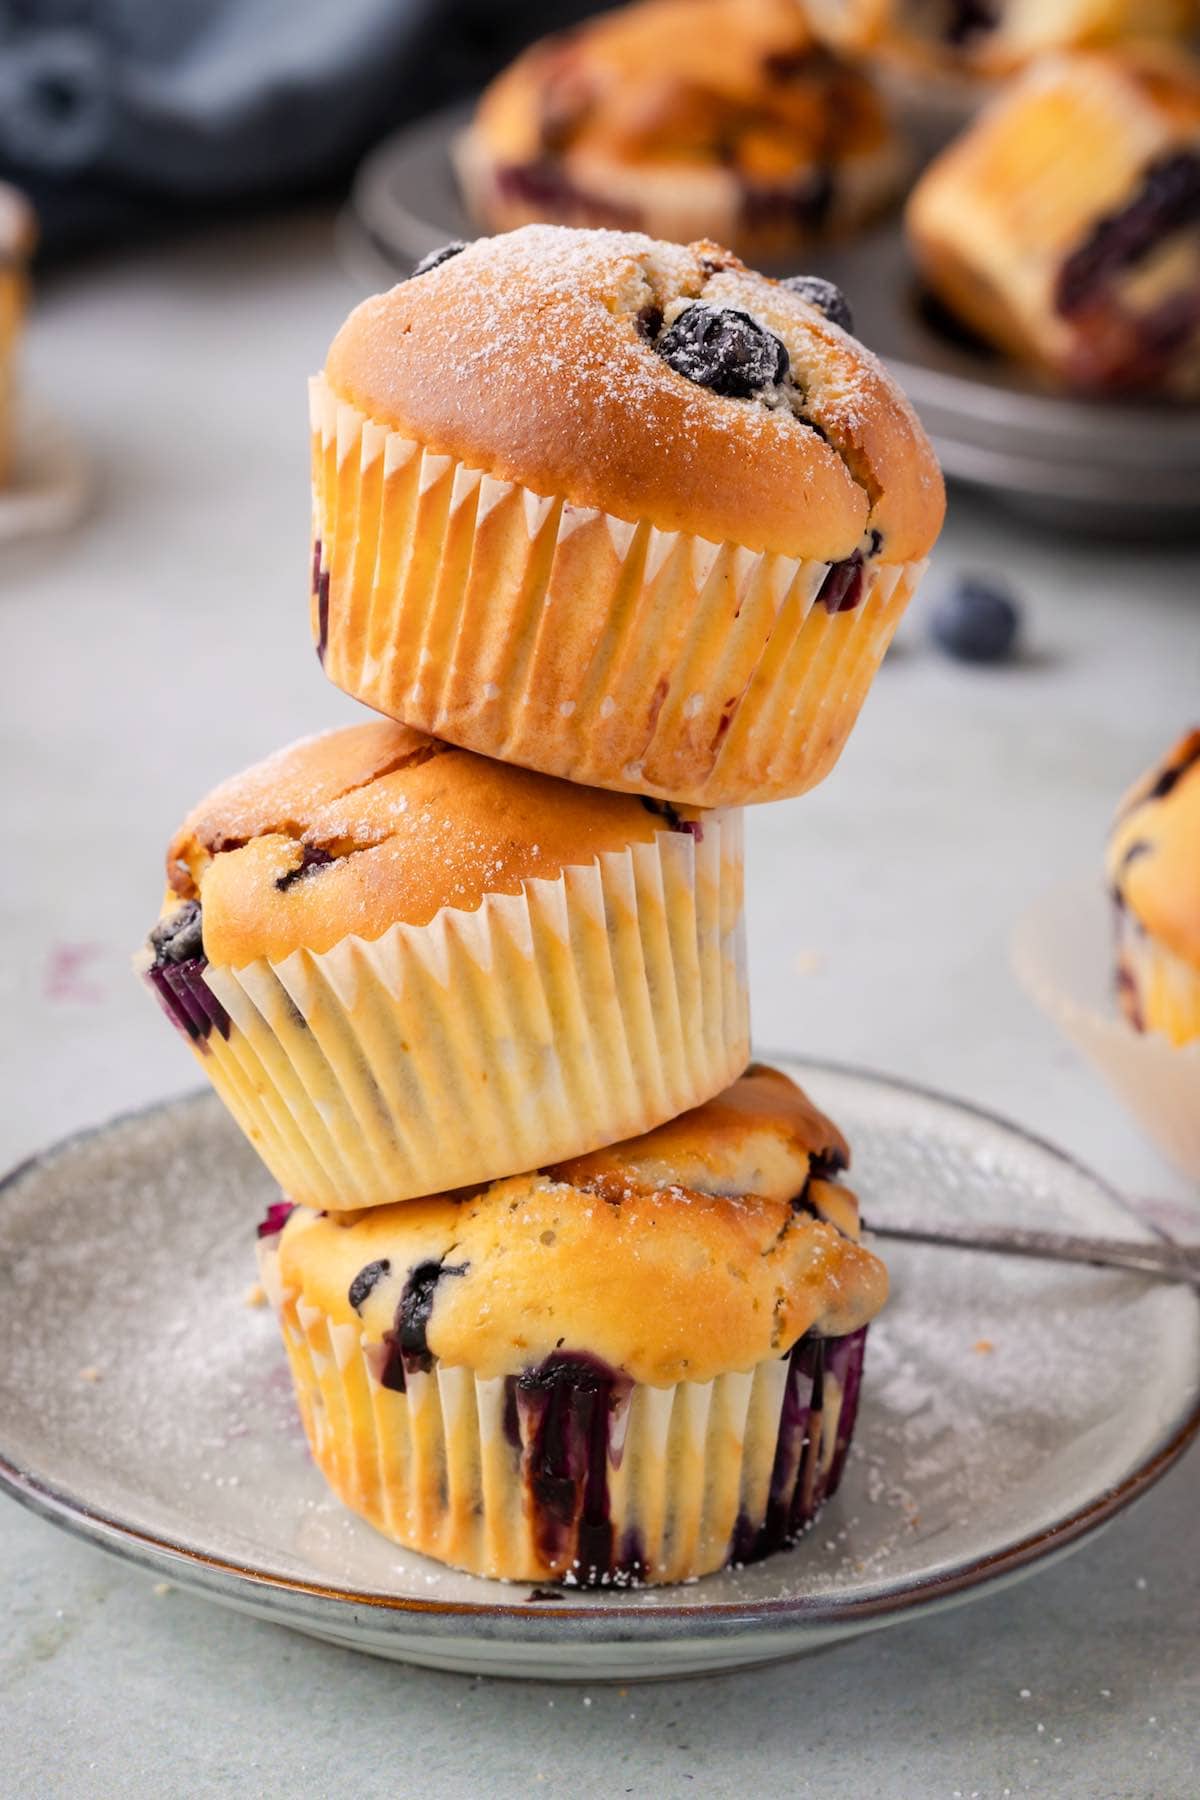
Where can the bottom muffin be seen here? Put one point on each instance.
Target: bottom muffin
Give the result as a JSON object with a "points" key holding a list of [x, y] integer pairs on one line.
{"points": [[636, 1366]]}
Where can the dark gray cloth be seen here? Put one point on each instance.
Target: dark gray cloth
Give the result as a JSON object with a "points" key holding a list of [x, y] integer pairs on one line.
{"points": [[119, 113]]}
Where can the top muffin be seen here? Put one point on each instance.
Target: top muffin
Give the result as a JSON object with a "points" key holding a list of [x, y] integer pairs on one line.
{"points": [[621, 510], [557, 358]]}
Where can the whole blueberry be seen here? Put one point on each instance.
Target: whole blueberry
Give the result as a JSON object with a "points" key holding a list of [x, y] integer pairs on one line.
{"points": [[723, 349], [822, 294], [180, 936], [976, 621], [436, 257]]}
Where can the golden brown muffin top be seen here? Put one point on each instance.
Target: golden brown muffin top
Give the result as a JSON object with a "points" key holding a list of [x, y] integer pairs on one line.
{"points": [[349, 832], [689, 1253], [532, 356], [1154, 851], [741, 84]]}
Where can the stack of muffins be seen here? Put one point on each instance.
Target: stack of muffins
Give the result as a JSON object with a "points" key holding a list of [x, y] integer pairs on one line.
{"points": [[615, 533]]}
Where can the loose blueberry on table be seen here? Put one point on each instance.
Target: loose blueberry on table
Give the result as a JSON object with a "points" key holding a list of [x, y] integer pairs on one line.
{"points": [[976, 621]]}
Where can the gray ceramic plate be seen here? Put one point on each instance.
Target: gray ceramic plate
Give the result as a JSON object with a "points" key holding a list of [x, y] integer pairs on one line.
{"points": [[1112, 468], [1010, 1408]]}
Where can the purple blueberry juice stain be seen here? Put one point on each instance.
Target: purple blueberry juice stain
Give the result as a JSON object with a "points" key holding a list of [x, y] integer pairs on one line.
{"points": [[842, 588], [542, 183], [559, 1415], [798, 1489], [1168, 200], [366, 1281], [320, 588], [275, 1218], [664, 810], [844, 1358], [65, 980], [176, 976], [311, 857], [1129, 997], [407, 1343], [565, 1407]]}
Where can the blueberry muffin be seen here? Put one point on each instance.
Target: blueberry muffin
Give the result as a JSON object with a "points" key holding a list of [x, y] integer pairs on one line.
{"points": [[619, 510], [1064, 226], [638, 1365], [18, 235], [992, 37], [684, 119], [405, 967], [1154, 871]]}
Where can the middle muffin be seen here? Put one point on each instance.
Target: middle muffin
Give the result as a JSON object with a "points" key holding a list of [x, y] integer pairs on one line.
{"points": [[406, 968]]}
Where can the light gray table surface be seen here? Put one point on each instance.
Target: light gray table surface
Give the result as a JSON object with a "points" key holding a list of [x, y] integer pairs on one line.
{"points": [[163, 644]]}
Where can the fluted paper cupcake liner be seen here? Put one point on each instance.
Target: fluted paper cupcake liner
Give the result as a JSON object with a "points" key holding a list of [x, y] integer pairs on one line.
{"points": [[571, 1472], [560, 637], [585, 1009], [1064, 954]]}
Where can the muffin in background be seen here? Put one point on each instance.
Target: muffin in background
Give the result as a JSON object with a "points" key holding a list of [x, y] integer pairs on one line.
{"points": [[405, 967], [637, 1366], [1064, 225], [18, 237], [1154, 873], [684, 119], [992, 37], [619, 510]]}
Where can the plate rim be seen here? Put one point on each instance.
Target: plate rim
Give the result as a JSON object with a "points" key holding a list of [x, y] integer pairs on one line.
{"points": [[716, 1618]]}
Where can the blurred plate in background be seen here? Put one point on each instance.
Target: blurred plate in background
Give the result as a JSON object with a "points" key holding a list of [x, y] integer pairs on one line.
{"points": [[1077, 464]]}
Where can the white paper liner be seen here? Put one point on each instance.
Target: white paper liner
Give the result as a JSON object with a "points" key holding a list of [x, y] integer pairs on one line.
{"points": [[567, 640], [586, 1009], [435, 1467], [1063, 954]]}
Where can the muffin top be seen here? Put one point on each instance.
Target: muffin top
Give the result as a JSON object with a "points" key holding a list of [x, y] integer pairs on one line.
{"points": [[651, 381], [352, 831], [697, 1250], [742, 84], [1154, 851]]}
